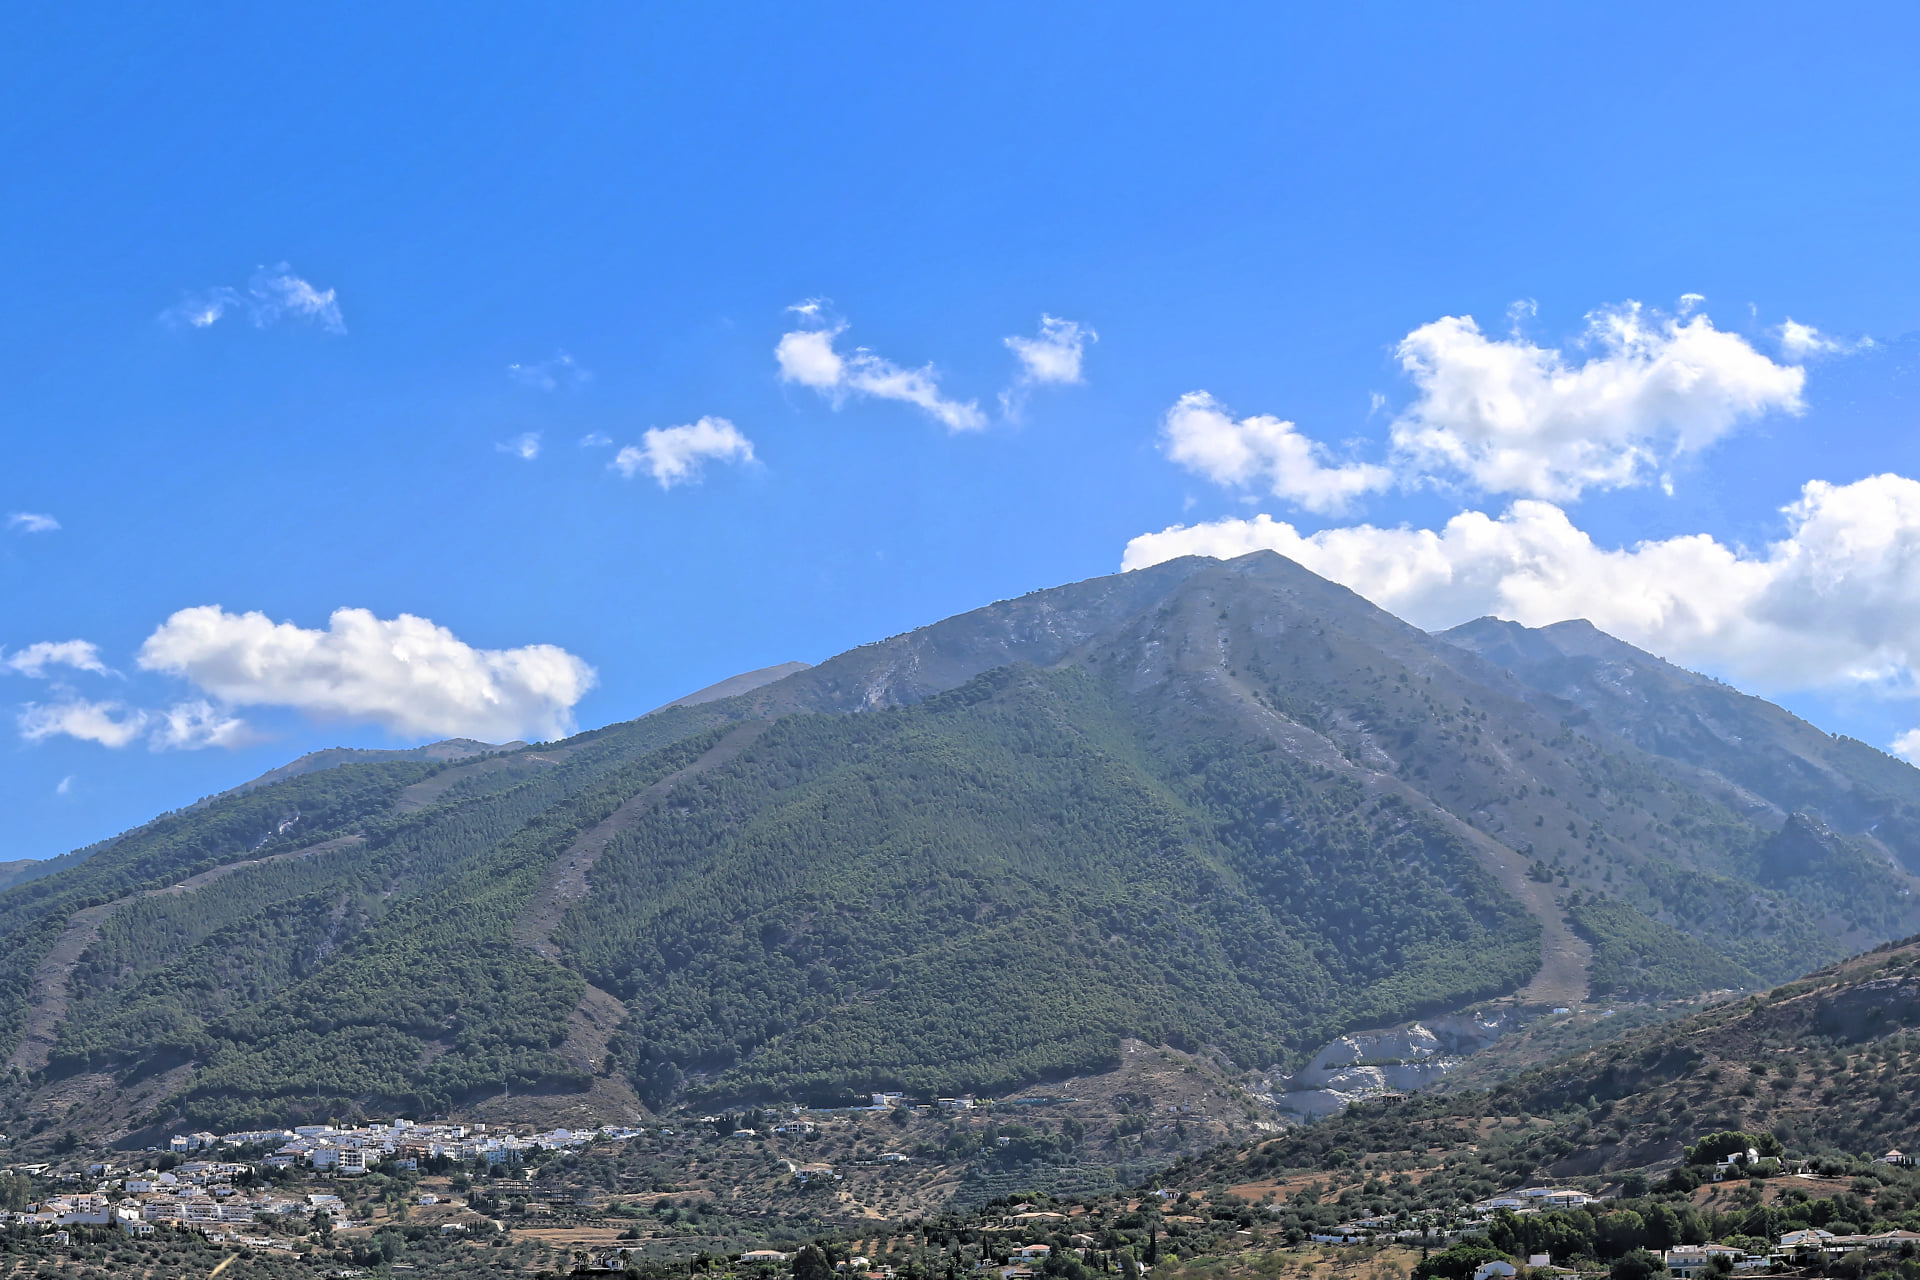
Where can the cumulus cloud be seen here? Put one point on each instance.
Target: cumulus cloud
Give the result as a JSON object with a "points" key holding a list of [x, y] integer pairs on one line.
{"points": [[1513, 417], [562, 370], [1055, 355], [80, 655], [525, 446], [676, 455], [111, 724], [1263, 452], [405, 673], [807, 356], [1836, 601], [32, 522], [272, 294], [1804, 342]]}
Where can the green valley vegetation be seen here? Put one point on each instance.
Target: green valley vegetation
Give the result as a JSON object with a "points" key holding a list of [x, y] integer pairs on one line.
{"points": [[1749, 1127]]}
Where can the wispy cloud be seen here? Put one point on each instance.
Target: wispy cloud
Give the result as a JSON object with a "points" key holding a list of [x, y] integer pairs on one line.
{"points": [[196, 724], [111, 724], [559, 370], [33, 661], [807, 356], [595, 440], [186, 726], [1804, 342], [677, 455], [272, 294], [32, 522], [525, 446]]}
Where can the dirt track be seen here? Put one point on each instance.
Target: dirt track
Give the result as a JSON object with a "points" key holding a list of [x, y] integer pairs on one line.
{"points": [[566, 881], [600, 1013], [47, 1000]]}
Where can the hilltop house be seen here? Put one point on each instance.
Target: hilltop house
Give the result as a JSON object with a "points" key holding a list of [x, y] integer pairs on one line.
{"points": [[1689, 1261]]}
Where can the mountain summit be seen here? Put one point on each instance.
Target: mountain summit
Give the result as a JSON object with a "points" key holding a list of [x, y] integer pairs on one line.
{"points": [[1208, 804]]}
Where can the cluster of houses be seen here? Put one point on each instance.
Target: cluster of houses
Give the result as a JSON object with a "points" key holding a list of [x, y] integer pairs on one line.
{"points": [[1433, 1223], [357, 1149], [1687, 1262], [201, 1193]]}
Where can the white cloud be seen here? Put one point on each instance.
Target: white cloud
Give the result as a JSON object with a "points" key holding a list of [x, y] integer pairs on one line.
{"points": [[275, 292], [407, 674], [1201, 435], [1513, 417], [64, 786], [807, 356], [676, 455], [525, 446], [1056, 354], [550, 375], [111, 724], [1804, 342], [202, 310], [186, 726], [81, 655], [595, 440], [1834, 602], [32, 522], [190, 726], [272, 293], [1053, 357]]}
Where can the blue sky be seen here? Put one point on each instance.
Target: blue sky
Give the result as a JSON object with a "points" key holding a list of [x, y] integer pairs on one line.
{"points": [[440, 241]]}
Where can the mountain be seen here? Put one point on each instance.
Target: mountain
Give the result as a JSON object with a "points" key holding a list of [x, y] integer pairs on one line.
{"points": [[1211, 805], [334, 757], [732, 686], [1775, 758]]}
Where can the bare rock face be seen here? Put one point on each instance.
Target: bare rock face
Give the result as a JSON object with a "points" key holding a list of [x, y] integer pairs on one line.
{"points": [[1363, 1064]]}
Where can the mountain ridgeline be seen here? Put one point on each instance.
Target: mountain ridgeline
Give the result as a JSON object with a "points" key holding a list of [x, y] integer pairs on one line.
{"points": [[1223, 804]]}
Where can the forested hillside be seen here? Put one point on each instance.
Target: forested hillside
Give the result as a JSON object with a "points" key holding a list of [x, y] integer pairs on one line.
{"points": [[1206, 804], [1825, 1069]]}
